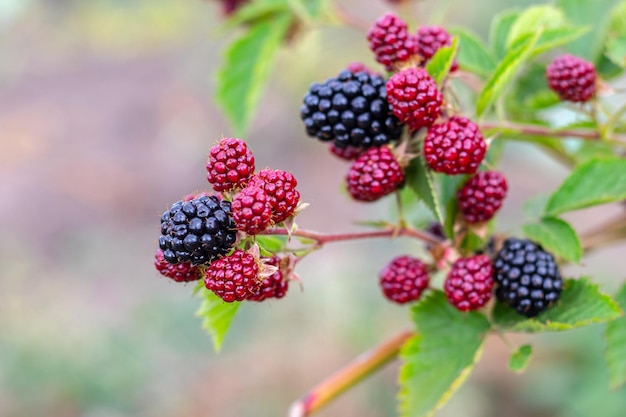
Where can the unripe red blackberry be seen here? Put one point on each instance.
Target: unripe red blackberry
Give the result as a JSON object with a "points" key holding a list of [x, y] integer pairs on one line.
{"points": [[454, 147], [527, 277], [183, 272], [414, 97], [404, 279], [391, 41], [430, 39], [374, 174], [274, 286], [199, 230], [469, 282], [572, 78], [351, 110], [252, 210], [280, 187], [229, 165], [482, 195], [234, 277], [349, 153]]}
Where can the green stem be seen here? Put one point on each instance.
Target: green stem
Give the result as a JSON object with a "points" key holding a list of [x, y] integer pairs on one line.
{"points": [[610, 124], [536, 130]]}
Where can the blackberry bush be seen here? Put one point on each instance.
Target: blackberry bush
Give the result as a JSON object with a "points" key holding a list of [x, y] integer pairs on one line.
{"points": [[462, 99]]}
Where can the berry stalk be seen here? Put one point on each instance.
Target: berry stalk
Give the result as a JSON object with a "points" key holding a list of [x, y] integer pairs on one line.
{"points": [[323, 238], [534, 130], [361, 367]]}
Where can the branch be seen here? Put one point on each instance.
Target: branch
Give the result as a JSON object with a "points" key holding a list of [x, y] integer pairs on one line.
{"points": [[348, 376], [608, 233], [323, 238], [535, 130]]}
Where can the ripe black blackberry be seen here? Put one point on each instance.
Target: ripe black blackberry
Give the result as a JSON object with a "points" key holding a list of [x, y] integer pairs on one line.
{"points": [[198, 230], [351, 110], [527, 277]]}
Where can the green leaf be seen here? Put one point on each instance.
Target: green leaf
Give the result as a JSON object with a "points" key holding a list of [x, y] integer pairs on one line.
{"points": [[257, 10], [581, 304], [246, 67], [472, 54], [535, 206], [504, 73], [592, 13], [312, 7], [439, 359], [616, 344], [542, 99], [616, 50], [439, 65], [472, 242], [420, 179], [553, 38], [520, 359], [217, 316], [592, 149], [535, 19], [272, 244], [499, 31], [557, 236], [448, 187], [599, 181]]}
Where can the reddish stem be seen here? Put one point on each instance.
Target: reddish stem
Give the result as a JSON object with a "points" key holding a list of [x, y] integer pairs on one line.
{"points": [[547, 131], [323, 238]]}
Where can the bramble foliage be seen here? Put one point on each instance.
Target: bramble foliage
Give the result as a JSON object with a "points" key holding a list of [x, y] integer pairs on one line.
{"points": [[510, 99]]}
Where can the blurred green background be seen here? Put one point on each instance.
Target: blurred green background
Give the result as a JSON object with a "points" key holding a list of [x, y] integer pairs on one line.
{"points": [[106, 117]]}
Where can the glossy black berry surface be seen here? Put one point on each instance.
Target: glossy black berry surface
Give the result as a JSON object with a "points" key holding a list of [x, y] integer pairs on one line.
{"points": [[351, 110], [527, 277], [198, 231]]}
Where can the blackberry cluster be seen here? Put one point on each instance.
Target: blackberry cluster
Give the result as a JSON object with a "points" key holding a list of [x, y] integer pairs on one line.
{"points": [[527, 277], [351, 110], [198, 230]]}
